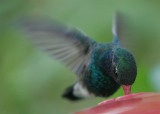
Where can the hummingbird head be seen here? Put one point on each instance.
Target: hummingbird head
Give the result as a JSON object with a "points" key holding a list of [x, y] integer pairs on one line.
{"points": [[124, 68]]}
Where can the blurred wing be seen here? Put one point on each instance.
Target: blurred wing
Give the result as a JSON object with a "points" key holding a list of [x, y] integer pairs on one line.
{"points": [[122, 31], [115, 28], [67, 45]]}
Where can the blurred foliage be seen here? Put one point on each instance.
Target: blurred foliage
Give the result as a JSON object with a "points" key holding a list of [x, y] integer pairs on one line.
{"points": [[32, 83]]}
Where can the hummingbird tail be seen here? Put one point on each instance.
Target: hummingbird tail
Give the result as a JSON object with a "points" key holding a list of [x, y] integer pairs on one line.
{"points": [[68, 94]]}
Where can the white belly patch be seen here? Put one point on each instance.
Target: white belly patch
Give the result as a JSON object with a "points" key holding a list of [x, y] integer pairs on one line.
{"points": [[81, 92]]}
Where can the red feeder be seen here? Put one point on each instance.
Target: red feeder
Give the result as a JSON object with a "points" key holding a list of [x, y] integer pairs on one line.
{"points": [[140, 103]]}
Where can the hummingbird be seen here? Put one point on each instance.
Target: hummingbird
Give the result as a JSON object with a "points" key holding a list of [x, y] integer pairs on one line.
{"points": [[101, 68]]}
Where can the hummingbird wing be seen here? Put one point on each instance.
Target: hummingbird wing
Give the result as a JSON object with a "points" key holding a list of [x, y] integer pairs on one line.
{"points": [[115, 28], [122, 31], [66, 44]]}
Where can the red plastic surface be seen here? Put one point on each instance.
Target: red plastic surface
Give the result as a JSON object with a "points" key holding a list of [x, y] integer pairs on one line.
{"points": [[140, 103]]}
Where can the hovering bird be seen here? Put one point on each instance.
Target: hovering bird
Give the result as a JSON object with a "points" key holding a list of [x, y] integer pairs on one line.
{"points": [[101, 68]]}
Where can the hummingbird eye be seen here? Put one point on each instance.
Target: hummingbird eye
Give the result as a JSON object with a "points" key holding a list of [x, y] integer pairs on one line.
{"points": [[116, 74]]}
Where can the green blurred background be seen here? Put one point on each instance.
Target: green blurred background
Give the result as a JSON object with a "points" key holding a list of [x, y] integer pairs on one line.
{"points": [[32, 83]]}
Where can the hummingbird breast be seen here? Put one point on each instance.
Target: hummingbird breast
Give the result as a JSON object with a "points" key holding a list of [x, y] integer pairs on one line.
{"points": [[97, 78]]}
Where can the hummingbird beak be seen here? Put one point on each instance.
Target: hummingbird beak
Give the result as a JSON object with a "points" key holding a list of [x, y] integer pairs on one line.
{"points": [[127, 89]]}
